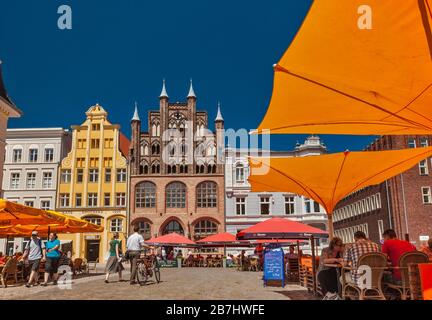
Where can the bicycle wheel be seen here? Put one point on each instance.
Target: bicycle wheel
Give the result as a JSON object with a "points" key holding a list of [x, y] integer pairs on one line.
{"points": [[142, 274]]}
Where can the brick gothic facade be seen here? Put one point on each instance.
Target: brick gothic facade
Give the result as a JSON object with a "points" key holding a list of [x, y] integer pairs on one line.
{"points": [[170, 190], [403, 203]]}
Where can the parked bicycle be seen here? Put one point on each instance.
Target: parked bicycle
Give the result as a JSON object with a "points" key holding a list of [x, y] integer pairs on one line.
{"points": [[148, 267]]}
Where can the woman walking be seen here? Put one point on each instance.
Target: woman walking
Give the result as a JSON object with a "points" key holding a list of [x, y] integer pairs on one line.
{"points": [[114, 264], [52, 259]]}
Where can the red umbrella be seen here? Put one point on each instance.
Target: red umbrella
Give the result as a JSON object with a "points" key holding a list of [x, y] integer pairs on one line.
{"points": [[225, 239], [171, 239], [281, 228]]}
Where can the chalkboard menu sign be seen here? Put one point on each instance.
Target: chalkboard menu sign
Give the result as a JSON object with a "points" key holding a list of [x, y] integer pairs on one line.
{"points": [[274, 267]]}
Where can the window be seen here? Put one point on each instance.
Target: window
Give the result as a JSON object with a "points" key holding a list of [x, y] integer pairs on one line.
{"points": [[204, 228], [316, 207], [81, 143], [95, 143], [145, 195], [121, 175], [307, 203], [411, 143], [109, 143], [423, 168], [265, 205], [96, 126], [45, 205], [29, 203], [121, 199], [49, 155], [107, 199], [426, 192], [144, 229], [207, 195], [80, 175], [94, 162], [289, 205], [94, 220], [80, 162], [17, 155], [78, 200], [241, 206], [31, 180], [92, 199], [155, 168], [64, 200], [47, 181], [239, 173], [116, 225], [176, 195], [93, 175], [380, 229], [107, 162], [65, 176], [33, 155], [15, 180], [173, 226], [107, 175], [155, 149], [424, 142]]}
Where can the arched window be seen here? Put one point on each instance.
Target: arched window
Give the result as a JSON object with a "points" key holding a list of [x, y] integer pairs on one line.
{"points": [[204, 228], [173, 226], [155, 167], [207, 195], [145, 229], [144, 149], [172, 169], [145, 195], [211, 151], [155, 149], [144, 168], [183, 168], [176, 195]]}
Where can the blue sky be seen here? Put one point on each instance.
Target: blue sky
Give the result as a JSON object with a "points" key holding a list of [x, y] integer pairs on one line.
{"points": [[118, 52]]}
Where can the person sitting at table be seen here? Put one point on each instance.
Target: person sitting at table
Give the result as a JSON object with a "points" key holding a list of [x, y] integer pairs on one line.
{"points": [[361, 246], [2, 258], [428, 249], [327, 275], [394, 249]]}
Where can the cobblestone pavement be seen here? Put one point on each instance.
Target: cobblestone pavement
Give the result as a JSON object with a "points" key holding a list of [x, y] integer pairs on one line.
{"points": [[179, 284]]}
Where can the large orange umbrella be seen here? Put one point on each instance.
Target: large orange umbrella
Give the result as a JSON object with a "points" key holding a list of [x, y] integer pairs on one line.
{"points": [[329, 178], [12, 214], [356, 67]]}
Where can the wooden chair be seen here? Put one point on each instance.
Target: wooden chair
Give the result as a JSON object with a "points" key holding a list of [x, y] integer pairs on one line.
{"points": [[77, 266], [377, 263], [91, 266], [292, 269], [414, 257], [10, 270]]}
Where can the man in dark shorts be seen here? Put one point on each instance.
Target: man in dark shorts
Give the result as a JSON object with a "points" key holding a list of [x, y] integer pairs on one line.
{"points": [[34, 252]]}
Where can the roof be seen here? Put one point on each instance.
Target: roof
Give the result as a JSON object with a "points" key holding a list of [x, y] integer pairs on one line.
{"points": [[4, 96], [124, 144]]}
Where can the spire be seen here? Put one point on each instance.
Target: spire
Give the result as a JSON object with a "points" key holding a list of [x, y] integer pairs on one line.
{"points": [[164, 93], [219, 114], [136, 116], [191, 93]]}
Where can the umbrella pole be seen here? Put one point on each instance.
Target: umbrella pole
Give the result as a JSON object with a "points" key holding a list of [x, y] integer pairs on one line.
{"points": [[6, 245], [330, 225], [312, 241]]}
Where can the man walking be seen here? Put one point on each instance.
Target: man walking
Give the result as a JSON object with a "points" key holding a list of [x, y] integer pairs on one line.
{"points": [[34, 252], [134, 244]]}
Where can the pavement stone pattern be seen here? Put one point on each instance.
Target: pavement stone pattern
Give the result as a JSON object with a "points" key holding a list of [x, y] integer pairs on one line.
{"points": [[176, 284]]}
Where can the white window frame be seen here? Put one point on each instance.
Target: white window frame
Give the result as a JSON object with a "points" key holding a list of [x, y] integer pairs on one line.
{"points": [[426, 194]]}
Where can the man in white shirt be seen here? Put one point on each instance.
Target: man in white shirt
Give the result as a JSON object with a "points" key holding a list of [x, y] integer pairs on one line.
{"points": [[134, 244]]}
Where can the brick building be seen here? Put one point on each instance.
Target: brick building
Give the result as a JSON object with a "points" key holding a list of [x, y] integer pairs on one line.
{"points": [[403, 203], [176, 182]]}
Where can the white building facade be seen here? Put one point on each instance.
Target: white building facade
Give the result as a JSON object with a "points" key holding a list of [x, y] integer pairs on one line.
{"points": [[245, 208], [31, 167]]}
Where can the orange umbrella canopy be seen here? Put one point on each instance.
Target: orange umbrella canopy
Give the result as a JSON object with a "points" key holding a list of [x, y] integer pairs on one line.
{"points": [[329, 178], [12, 214], [356, 67]]}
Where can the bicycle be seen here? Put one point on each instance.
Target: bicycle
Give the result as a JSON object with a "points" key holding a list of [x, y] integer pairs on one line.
{"points": [[147, 267]]}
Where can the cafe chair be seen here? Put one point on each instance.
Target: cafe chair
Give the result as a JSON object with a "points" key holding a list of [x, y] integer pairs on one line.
{"points": [[10, 271], [414, 257], [377, 263]]}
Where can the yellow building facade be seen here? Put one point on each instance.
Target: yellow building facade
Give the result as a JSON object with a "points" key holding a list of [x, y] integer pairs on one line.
{"points": [[92, 183]]}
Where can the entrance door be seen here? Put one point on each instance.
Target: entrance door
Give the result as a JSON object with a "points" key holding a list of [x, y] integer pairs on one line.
{"points": [[92, 250]]}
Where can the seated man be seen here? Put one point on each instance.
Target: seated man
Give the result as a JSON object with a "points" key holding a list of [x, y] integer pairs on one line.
{"points": [[351, 256], [394, 249], [2, 258], [428, 249]]}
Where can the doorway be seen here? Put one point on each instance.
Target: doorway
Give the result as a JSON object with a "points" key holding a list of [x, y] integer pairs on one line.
{"points": [[92, 253]]}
